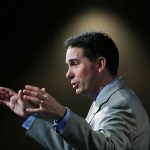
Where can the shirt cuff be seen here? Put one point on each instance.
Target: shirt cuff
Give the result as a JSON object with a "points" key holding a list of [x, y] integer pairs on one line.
{"points": [[60, 125], [27, 124]]}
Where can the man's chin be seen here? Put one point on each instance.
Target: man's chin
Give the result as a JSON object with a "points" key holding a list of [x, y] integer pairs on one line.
{"points": [[78, 92], [82, 93]]}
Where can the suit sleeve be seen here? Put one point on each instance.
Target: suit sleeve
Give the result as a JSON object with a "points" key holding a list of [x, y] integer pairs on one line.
{"points": [[42, 131], [112, 128]]}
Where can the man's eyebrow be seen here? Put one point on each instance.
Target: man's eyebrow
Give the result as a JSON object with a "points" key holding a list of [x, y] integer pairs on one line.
{"points": [[72, 60]]}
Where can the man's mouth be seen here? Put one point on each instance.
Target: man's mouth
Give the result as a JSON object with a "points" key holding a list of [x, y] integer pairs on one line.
{"points": [[75, 85]]}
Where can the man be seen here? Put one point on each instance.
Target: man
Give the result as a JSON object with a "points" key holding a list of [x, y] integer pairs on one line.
{"points": [[116, 120]]}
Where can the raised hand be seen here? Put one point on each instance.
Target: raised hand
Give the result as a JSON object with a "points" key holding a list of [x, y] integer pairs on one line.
{"points": [[47, 105], [14, 101]]}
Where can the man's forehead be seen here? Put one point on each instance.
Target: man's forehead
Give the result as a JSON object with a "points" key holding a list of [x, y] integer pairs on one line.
{"points": [[73, 53], [71, 58]]}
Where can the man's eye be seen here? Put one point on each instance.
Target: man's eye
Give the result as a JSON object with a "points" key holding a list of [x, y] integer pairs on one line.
{"points": [[75, 64]]}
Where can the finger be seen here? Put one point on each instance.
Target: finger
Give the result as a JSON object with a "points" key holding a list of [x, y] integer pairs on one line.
{"points": [[4, 89], [4, 103], [20, 94], [3, 95], [43, 89], [4, 92], [30, 110], [33, 88], [32, 99], [31, 93]]}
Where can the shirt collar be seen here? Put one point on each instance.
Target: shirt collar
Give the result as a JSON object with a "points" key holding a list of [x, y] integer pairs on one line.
{"points": [[106, 88]]}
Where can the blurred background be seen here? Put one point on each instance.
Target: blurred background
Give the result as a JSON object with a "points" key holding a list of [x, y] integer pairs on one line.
{"points": [[32, 51]]}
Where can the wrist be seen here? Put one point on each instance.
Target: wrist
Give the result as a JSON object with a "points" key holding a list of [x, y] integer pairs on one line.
{"points": [[62, 115], [59, 125]]}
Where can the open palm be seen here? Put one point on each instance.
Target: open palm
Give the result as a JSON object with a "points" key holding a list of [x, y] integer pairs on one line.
{"points": [[14, 101]]}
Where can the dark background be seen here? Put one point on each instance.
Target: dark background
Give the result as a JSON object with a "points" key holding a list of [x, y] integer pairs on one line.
{"points": [[27, 30]]}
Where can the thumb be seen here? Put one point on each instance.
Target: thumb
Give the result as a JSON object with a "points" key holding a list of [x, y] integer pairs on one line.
{"points": [[43, 89], [20, 94]]}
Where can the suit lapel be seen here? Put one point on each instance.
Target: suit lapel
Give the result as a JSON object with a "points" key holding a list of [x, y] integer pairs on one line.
{"points": [[91, 112], [96, 105]]}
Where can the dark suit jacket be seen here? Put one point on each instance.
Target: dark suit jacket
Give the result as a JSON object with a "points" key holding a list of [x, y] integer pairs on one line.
{"points": [[119, 122]]}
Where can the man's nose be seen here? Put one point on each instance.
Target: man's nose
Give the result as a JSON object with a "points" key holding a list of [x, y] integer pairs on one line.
{"points": [[69, 74]]}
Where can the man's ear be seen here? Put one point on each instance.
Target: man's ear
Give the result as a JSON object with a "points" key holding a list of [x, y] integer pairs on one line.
{"points": [[101, 63]]}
